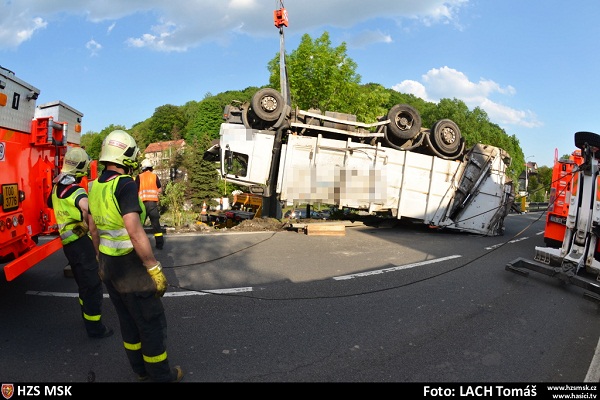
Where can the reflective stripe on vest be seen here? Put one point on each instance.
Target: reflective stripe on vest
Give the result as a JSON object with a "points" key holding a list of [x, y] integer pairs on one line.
{"points": [[148, 190], [68, 216]]}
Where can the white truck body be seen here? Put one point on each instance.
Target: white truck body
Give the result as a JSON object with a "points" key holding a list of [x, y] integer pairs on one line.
{"points": [[472, 195]]}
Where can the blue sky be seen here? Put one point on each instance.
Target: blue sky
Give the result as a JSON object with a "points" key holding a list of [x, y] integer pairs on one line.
{"points": [[532, 65]]}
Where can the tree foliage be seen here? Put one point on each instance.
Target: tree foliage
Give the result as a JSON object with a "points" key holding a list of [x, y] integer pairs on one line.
{"points": [[324, 77], [202, 175], [173, 199], [539, 183]]}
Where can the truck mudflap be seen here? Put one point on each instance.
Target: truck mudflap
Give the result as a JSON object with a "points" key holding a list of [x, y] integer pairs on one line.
{"points": [[567, 275], [15, 268]]}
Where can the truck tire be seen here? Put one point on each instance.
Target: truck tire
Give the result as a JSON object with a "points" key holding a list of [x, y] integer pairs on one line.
{"points": [[405, 123], [246, 119], [251, 121], [405, 145], [445, 137], [267, 104]]}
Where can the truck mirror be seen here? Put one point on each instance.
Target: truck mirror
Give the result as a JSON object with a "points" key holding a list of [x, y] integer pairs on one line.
{"points": [[229, 158], [213, 153]]}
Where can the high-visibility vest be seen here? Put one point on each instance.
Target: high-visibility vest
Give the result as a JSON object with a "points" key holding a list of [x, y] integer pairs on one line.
{"points": [[68, 216], [114, 239], [148, 189]]}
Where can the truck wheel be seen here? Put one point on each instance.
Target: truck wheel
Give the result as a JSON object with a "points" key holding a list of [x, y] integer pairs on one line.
{"points": [[445, 136], [251, 121], [246, 119], [406, 145], [405, 122], [267, 104], [592, 139]]}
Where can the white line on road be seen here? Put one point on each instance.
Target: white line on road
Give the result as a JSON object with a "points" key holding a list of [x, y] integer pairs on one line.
{"points": [[513, 241], [171, 294], [502, 244], [397, 268]]}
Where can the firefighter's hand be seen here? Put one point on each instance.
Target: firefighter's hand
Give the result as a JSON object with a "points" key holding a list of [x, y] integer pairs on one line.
{"points": [[160, 280]]}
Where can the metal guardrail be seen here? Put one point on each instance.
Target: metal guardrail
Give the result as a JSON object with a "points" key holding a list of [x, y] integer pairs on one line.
{"points": [[530, 206], [537, 206]]}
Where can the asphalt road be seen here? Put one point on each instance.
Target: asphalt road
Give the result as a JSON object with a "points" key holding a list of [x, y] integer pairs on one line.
{"points": [[379, 304]]}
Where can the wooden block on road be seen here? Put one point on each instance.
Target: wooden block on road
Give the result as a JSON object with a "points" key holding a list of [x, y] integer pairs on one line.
{"points": [[325, 229]]}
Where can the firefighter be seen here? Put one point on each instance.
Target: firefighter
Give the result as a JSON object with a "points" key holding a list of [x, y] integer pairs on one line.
{"points": [[149, 189], [132, 275], [70, 203]]}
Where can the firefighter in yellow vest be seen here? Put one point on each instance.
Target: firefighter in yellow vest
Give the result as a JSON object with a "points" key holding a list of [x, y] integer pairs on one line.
{"points": [[149, 188], [133, 276], [70, 203]]}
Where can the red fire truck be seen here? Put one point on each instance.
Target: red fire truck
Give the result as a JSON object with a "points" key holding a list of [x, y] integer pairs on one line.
{"points": [[33, 142], [563, 178]]}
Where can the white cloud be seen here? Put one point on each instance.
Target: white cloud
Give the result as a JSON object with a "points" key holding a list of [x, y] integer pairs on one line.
{"points": [[366, 38], [93, 46], [449, 83], [182, 24], [412, 87], [13, 32]]}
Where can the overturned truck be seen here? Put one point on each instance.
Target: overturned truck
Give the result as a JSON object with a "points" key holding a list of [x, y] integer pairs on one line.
{"points": [[392, 167]]}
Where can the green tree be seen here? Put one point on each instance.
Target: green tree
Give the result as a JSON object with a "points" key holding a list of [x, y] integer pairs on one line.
{"points": [[173, 199], [92, 143], [535, 189], [539, 184], [324, 77], [167, 123], [207, 119], [203, 176]]}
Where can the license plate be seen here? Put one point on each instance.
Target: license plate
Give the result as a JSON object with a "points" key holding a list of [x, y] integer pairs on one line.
{"points": [[10, 197], [558, 220]]}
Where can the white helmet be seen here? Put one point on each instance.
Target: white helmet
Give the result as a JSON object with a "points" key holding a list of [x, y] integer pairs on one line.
{"points": [[76, 162], [120, 148], [146, 164]]}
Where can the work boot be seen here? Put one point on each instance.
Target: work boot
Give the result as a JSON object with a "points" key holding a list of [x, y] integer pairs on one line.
{"points": [[142, 377], [104, 334], [160, 242], [176, 374]]}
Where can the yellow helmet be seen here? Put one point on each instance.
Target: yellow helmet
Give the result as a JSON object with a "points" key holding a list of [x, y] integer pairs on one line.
{"points": [[76, 162], [120, 148], [146, 164]]}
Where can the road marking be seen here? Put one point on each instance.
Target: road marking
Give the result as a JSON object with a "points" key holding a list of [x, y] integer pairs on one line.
{"points": [[204, 292], [170, 294], [502, 244], [512, 241], [53, 294], [397, 268]]}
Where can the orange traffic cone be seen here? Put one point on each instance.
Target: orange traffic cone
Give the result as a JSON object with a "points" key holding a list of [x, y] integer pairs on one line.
{"points": [[203, 212]]}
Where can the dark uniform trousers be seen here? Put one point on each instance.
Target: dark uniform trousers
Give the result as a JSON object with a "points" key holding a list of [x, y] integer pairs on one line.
{"points": [[82, 259], [153, 213], [141, 315]]}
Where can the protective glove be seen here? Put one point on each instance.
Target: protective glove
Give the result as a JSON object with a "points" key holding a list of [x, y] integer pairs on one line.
{"points": [[160, 280]]}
